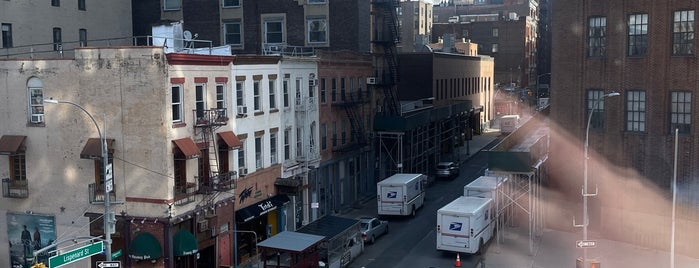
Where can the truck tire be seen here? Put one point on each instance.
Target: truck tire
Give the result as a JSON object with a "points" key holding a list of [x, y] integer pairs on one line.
{"points": [[480, 247], [412, 212]]}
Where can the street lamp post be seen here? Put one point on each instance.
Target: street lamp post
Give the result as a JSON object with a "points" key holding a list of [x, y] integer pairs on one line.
{"points": [[584, 190], [107, 184]]}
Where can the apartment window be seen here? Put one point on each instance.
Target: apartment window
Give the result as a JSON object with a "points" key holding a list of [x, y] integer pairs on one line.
{"points": [[334, 134], [200, 100], [333, 89], [258, 152], [82, 35], [81, 5], [231, 3], [241, 154], [681, 111], [495, 32], [323, 136], [180, 177], [322, 90], [232, 33], [221, 100], [595, 105], [285, 92], [344, 132], [636, 111], [274, 30], [638, 35], [683, 33], [35, 90], [298, 91], [177, 105], [316, 1], [317, 31], [172, 4], [57, 39], [299, 141], [256, 95], [597, 36], [494, 49], [239, 93], [273, 148], [342, 89], [56, 3], [312, 87], [272, 94], [287, 146], [18, 169], [6, 35]]}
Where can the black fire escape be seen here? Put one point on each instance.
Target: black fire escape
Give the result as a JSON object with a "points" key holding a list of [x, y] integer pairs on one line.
{"points": [[211, 179], [386, 36], [353, 104]]}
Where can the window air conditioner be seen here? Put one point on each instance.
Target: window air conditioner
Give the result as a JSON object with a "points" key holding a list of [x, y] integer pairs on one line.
{"points": [[371, 80], [203, 226], [242, 171], [37, 118], [242, 110]]}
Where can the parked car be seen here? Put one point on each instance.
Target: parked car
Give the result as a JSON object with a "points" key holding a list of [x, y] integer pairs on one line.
{"points": [[372, 228], [447, 169]]}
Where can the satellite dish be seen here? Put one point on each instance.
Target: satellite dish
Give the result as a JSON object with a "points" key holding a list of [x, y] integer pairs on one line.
{"points": [[187, 35]]}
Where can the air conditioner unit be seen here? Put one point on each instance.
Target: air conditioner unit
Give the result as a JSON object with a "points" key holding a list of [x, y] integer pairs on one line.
{"points": [[37, 118], [313, 82], [242, 110], [371, 80], [242, 171], [379, 108], [203, 226]]}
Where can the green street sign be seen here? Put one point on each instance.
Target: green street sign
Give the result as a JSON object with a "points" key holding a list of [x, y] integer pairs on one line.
{"points": [[116, 254], [76, 254]]}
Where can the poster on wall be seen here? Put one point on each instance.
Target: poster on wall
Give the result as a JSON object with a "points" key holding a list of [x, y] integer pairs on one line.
{"points": [[27, 233]]}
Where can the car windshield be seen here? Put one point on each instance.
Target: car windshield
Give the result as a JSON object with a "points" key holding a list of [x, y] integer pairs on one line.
{"points": [[365, 225]]}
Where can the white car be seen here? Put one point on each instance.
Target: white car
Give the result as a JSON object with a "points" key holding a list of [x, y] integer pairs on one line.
{"points": [[372, 228]]}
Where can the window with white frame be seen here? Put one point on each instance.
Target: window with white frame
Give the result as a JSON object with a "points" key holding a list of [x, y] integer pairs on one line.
{"points": [[172, 4], [221, 100], [177, 104], [681, 111], [232, 33], [240, 93], [35, 91], [637, 42], [287, 144], [200, 100], [230, 3], [636, 111], [494, 48], [596, 36], [285, 92], [683, 33], [595, 105], [273, 148], [317, 31], [256, 100], [241, 154], [258, 152], [274, 30], [272, 94], [495, 32]]}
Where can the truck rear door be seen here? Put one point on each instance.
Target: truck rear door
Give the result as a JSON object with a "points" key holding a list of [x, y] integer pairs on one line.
{"points": [[454, 230], [391, 198]]}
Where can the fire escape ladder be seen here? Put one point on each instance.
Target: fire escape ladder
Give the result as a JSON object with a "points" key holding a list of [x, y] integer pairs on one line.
{"points": [[213, 153], [356, 122]]}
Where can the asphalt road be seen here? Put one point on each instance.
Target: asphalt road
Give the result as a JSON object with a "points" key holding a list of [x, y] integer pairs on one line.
{"points": [[411, 242]]}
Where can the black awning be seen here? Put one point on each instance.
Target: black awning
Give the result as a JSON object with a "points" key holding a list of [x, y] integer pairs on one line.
{"points": [[260, 208]]}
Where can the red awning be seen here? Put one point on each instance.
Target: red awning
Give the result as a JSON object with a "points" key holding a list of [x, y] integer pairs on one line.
{"points": [[11, 144], [187, 147], [93, 148], [230, 139]]}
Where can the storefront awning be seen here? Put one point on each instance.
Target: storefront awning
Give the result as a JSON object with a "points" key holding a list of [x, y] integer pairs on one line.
{"points": [[230, 139], [11, 144], [261, 208], [188, 148], [93, 148], [184, 243], [145, 247]]}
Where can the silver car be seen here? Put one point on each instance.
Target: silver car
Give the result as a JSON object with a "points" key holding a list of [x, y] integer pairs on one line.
{"points": [[372, 228], [447, 169]]}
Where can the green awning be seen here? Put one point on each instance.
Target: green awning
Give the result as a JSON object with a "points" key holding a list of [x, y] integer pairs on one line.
{"points": [[145, 247], [184, 243]]}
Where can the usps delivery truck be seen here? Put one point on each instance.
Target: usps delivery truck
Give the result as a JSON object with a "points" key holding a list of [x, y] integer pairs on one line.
{"points": [[465, 225], [400, 194]]}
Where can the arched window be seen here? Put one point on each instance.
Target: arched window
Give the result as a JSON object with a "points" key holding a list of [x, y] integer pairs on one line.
{"points": [[35, 94]]}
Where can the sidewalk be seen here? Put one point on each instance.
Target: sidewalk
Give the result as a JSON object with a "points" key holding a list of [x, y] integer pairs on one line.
{"points": [[554, 249]]}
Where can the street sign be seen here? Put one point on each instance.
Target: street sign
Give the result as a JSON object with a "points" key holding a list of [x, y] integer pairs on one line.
{"points": [[586, 243], [109, 264], [76, 254], [108, 178], [116, 254]]}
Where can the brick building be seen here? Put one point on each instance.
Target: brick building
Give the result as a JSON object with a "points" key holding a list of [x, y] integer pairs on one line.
{"points": [[646, 51]]}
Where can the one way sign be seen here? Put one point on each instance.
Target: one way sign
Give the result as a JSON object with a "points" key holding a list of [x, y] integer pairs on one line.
{"points": [[109, 264], [586, 243]]}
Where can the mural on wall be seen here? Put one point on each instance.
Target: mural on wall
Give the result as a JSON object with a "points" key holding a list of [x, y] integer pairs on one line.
{"points": [[27, 233]]}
